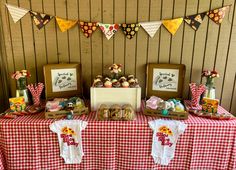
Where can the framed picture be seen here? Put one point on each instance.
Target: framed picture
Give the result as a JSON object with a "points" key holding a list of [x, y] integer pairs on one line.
{"points": [[165, 80], [62, 80]]}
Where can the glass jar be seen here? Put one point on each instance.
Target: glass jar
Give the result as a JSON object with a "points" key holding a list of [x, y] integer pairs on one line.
{"points": [[210, 89], [21, 83], [22, 89]]}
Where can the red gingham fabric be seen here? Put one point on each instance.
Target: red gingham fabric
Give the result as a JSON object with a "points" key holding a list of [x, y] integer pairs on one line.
{"points": [[27, 143]]}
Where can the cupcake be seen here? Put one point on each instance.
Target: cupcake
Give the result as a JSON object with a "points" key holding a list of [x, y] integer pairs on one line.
{"points": [[107, 79], [97, 83], [108, 84], [133, 84], [132, 80], [130, 77], [114, 80], [116, 84], [98, 77], [122, 79], [125, 84]]}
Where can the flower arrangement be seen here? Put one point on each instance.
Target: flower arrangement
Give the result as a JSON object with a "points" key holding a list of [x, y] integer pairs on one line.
{"points": [[20, 74], [210, 89], [20, 77], [115, 69], [210, 75]]}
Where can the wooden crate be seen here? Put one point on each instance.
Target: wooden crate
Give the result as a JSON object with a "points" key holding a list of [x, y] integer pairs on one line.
{"points": [[63, 113], [171, 114], [111, 96]]}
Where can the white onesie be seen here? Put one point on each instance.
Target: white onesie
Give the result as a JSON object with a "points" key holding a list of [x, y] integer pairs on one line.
{"points": [[165, 136], [70, 140]]}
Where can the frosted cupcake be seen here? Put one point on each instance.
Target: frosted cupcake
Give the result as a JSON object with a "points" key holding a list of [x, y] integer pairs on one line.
{"points": [[125, 84], [122, 79], [116, 84], [108, 84]]}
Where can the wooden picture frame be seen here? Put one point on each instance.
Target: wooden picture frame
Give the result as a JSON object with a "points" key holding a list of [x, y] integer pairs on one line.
{"points": [[165, 80], [62, 80]]}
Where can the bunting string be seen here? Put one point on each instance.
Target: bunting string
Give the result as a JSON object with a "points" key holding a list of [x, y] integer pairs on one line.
{"points": [[129, 29]]}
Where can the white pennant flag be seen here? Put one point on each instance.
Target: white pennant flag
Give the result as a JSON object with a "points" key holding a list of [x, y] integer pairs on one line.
{"points": [[16, 12], [151, 27]]}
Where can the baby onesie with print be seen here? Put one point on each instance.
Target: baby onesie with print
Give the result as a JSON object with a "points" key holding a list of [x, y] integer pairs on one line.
{"points": [[70, 139], [165, 136]]}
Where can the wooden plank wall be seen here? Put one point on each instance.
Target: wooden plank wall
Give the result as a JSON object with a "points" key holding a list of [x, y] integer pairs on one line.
{"points": [[212, 46], [3, 72]]}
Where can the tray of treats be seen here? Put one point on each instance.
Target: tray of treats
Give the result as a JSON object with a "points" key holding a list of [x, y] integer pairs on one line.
{"points": [[116, 112], [171, 108], [61, 107]]}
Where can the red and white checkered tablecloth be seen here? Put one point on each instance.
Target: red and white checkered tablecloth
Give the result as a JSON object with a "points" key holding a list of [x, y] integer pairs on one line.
{"points": [[27, 143]]}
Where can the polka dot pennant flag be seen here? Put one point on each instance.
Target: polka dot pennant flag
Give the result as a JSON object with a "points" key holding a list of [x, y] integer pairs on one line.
{"points": [[217, 15], [195, 21], [130, 29], [65, 24], [40, 19], [109, 29], [172, 25], [88, 28]]}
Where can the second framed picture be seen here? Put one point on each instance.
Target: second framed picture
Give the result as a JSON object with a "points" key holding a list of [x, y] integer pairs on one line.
{"points": [[165, 80]]}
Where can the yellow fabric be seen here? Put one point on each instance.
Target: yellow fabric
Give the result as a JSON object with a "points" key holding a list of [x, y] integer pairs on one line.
{"points": [[65, 24], [172, 25]]}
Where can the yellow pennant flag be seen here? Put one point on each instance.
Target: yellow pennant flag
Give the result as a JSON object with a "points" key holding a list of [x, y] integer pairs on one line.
{"points": [[65, 24], [172, 25]]}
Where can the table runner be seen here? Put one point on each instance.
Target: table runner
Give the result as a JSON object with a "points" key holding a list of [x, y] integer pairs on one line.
{"points": [[27, 143]]}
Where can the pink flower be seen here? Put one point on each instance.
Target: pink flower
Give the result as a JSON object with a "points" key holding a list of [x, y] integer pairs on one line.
{"points": [[210, 74], [115, 68], [18, 74]]}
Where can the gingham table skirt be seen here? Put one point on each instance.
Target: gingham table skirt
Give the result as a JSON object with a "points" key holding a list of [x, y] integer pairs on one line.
{"points": [[27, 143]]}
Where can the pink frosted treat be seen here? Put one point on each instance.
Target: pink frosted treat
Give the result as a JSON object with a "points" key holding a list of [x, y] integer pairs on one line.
{"points": [[153, 102]]}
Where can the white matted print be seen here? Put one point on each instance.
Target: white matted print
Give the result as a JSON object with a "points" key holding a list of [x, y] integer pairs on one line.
{"points": [[64, 79], [165, 79]]}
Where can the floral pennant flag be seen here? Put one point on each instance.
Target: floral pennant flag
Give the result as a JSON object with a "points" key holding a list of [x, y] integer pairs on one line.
{"points": [[151, 27], [65, 24], [217, 15], [172, 25], [195, 21], [109, 29], [40, 19], [130, 29], [16, 12], [88, 28]]}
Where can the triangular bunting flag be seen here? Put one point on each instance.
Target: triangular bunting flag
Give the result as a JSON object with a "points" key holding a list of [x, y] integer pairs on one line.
{"points": [[172, 25], [195, 20], [40, 19], [65, 24], [151, 27], [217, 15], [109, 29], [88, 28], [130, 29], [16, 12]]}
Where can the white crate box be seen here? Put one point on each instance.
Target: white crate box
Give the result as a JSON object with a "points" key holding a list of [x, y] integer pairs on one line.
{"points": [[111, 96]]}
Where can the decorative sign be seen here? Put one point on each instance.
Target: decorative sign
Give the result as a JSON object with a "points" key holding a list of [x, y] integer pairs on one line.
{"points": [[165, 79], [64, 80]]}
